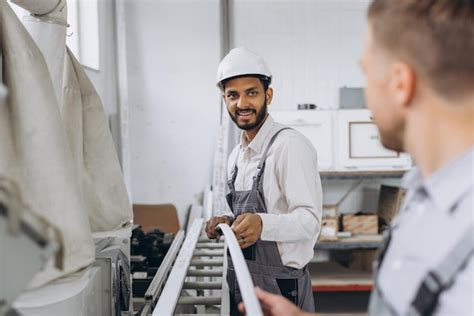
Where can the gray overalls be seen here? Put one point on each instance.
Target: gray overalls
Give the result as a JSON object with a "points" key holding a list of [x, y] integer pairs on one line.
{"points": [[263, 258]]}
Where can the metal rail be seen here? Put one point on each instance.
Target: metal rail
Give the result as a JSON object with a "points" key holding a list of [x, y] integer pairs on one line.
{"points": [[158, 280], [170, 295]]}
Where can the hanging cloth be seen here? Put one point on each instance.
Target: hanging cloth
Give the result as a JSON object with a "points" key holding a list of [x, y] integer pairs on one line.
{"points": [[93, 149], [34, 148]]}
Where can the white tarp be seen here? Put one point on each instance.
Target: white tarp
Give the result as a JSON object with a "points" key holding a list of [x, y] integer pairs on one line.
{"points": [[34, 147], [89, 136]]}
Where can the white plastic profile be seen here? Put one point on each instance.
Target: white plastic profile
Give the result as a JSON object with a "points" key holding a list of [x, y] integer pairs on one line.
{"points": [[252, 306]]}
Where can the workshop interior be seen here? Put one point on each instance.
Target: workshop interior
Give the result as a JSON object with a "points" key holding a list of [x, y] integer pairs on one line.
{"points": [[115, 138]]}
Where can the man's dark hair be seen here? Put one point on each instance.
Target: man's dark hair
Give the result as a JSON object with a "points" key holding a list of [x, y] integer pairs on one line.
{"points": [[436, 37]]}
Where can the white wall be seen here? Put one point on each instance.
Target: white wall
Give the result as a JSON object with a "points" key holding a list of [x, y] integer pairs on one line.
{"points": [[311, 46], [173, 53]]}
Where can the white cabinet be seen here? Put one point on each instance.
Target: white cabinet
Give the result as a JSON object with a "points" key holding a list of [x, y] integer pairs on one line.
{"points": [[345, 140], [317, 126]]}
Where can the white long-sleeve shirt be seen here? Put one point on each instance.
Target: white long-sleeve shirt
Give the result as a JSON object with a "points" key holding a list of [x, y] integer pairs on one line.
{"points": [[291, 188]]}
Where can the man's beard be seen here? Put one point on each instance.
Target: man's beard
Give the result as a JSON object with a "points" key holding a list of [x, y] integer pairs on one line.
{"points": [[261, 115]]}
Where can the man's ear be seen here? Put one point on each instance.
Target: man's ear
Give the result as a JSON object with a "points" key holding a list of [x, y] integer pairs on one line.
{"points": [[403, 83], [269, 95]]}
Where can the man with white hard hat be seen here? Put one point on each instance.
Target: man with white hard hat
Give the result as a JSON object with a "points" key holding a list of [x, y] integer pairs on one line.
{"points": [[274, 196]]}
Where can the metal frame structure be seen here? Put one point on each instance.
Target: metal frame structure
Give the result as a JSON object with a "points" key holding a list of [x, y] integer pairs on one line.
{"points": [[170, 295], [156, 285], [197, 268]]}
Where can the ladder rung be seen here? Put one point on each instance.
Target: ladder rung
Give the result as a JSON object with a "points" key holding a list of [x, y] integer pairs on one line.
{"points": [[207, 263], [210, 245], [208, 253], [213, 272], [202, 285], [200, 300]]}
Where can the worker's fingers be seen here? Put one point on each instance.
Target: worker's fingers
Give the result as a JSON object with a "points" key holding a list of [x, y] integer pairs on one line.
{"points": [[237, 221], [242, 244], [211, 235], [239, 227], [265, 308], [211, 226], [242, 308], [245, 240], [245, 244], [209, 231], [265, 298]]}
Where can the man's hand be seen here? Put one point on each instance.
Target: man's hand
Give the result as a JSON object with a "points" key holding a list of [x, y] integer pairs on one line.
{"points": [[275, 305], [211, 226], [247, 228]]}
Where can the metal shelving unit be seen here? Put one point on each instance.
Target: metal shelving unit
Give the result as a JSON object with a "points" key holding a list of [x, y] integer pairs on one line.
{"points": [[337, 175], [332, 277], [354, 242]]}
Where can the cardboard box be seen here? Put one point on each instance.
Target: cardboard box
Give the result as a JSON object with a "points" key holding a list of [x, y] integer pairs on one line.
{"points": [[360, 224], [330, 211], [156, 216], [329, 229], [390, 201]]}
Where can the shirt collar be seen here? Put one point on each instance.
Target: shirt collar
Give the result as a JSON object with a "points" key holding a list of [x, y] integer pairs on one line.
{"points": [[446, 186], [257, 143]]}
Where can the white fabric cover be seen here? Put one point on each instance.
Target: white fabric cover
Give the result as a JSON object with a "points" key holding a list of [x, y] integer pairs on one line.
{"points": [[34, 148], [91, 142]]}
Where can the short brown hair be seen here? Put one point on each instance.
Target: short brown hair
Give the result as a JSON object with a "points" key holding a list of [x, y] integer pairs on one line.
{"points": [[436, 37]]}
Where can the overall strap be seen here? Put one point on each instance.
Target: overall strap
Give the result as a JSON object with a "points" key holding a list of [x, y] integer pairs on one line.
{"points": [[261, 164], [441, 277]]}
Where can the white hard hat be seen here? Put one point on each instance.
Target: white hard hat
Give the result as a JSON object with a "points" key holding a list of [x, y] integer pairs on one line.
{"points": [[240, 61]]}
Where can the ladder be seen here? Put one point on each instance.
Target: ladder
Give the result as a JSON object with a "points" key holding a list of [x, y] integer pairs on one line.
{"points": [[192, 282]]}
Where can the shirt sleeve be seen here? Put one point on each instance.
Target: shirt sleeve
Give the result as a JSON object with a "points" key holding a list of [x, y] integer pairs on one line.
{"points": [[298, 176]]}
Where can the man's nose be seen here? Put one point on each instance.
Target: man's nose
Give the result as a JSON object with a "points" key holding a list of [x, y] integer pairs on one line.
{"points": [[242, 103]]}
